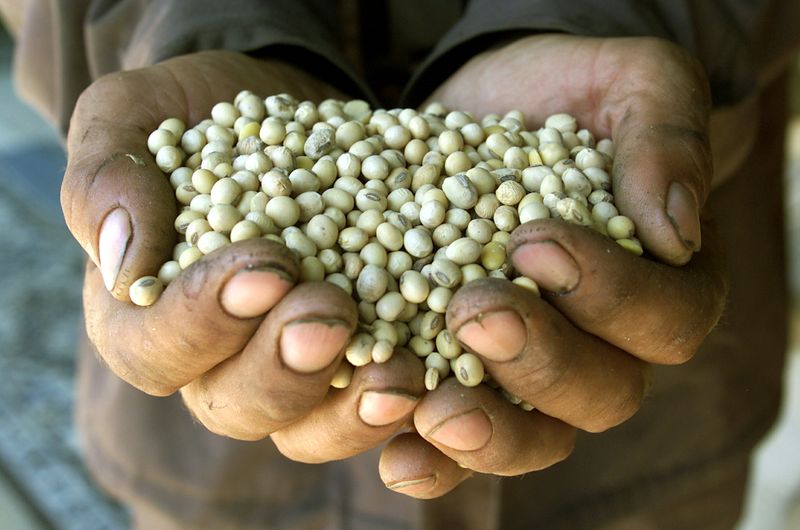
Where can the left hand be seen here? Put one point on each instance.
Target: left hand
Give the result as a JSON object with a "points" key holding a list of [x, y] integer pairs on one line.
{"points": [[582, 353]]}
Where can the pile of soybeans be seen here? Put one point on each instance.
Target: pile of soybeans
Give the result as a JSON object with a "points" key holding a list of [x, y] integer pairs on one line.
{"points": [[397, 207]]}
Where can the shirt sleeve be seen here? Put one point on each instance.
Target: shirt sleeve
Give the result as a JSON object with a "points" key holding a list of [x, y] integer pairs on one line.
{"points": [[735, 40], [64, 44]]}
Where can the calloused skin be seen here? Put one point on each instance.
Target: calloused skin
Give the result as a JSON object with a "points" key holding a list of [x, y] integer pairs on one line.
{"points": [[580, 354]]}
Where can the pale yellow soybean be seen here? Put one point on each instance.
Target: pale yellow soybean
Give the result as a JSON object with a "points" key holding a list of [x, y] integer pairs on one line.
{"points": [[481, 230], [552, 152], [263, 221], [203, 180], [178, 249], [468, 369], [532, 177], [383, 330], [258, 163], [336, 215], [193, 141], [421, 347], [197, 228], [414, 286], [418, 243], [389, 306], [620, 227], [331, 259], [184, 219], [366, 312], [342, 376], [300, 243], [471, 272], [303, 180], [445, 273], [487, 205], [439, 298], [447, 346], [510, 192], [244, 230], [208, 242], [527, 283], [322, 231], [359, 351], [348, 165], [457, 162], [369, 221], [369, 199], [574, 211], [397, 263], [353, 239], [602, 212], [169, 158], [375, 167], [341, 281], [169, 271], [225, 191], [631, 244], [311, 269], [532, 211], [493, 256], [160, 138], [382, 351], [431, 379], [444, 234], [375, 254], [247, 180], [284, 211], [222, 217], [146, 290], [338, 198], [310, 204], [372, 283], [505, 218], [431, 324], [463, 251], [189, 256]]}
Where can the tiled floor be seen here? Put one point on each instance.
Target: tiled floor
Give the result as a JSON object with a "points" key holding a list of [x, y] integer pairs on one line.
{"points": [[48, 489]]}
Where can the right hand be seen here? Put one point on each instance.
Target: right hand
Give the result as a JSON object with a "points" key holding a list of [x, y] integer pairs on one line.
{"points": [[252, 355]]}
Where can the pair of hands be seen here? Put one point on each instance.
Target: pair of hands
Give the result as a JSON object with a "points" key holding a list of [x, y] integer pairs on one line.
{"points": [[253, 354]]}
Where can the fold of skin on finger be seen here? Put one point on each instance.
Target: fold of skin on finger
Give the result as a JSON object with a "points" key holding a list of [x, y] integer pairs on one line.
{"points": [[654, 311], [160, 348], [562, 370], [253, 394], [109, 165], [334, 430], [412, 466], [520, 441], [650, 96]]}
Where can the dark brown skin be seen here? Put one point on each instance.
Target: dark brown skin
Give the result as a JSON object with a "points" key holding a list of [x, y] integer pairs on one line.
{"points": [[580, 354]]}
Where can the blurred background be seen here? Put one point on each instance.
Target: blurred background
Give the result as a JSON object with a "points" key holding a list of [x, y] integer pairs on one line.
{"points": [[43, 484]]}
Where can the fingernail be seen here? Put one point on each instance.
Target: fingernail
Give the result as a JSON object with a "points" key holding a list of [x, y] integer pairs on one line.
{"points": [[684, 215], [253, 291], [467, 432], [499, 336], [308, 346], [382, 408], [114, 236], [549, 265], [415, 486]]}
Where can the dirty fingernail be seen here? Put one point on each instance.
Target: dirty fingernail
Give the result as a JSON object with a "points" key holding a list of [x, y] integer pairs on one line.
{"points": [[253, 291], [113, 242], [684, 214], [465, 432], [415, 486], [310, 345], [499, 336], [548, 264], [382, 408]]}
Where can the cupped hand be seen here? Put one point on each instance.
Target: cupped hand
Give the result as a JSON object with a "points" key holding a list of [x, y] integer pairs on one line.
{"points": [[581, 354], [252, 354]]}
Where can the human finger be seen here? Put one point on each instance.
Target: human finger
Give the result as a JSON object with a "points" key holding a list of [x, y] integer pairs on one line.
{"points": [[204, 316], [283, 371], [412, 466], [380, 398], [482, 431], [538, 355], [654, 311]]}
